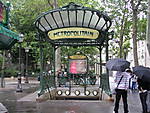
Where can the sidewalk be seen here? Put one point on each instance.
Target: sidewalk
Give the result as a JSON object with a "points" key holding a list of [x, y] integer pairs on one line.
{"points": [[9, 96], [11, 83], [78, 106], [25, 102]]}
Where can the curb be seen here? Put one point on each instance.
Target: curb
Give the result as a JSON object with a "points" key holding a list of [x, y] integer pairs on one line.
{"points": [[3, 109]]}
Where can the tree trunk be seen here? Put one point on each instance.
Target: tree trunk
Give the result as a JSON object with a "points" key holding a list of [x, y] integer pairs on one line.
{"points": [[147, 52], [122, 32], [58, 52], [121, 36], [134, 29], [148, 29], [134, 37]]}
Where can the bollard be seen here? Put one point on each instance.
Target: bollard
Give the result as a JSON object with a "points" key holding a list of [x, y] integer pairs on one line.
{"points": [[19, 86]]}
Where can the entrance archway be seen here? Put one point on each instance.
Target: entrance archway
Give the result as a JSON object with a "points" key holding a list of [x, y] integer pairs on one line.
{"points": [[75, 26]]}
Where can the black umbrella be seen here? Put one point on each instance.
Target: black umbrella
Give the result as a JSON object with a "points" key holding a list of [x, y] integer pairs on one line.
{"points": [[117, 64], [142, 72]]}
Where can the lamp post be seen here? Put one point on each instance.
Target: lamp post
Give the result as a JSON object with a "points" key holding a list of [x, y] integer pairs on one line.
{"points": [[19, 86], [7, 12], [2, 72], [26, 73]]}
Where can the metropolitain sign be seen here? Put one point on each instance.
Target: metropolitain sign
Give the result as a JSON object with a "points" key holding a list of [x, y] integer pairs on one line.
{"points": [[73, 33]]}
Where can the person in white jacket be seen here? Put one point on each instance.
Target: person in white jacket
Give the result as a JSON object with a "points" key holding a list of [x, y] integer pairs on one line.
{"points": [[122, 82]]}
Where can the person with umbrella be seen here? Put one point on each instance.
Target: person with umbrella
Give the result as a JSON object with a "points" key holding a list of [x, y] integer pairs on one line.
{"points": [[117, 64], [122, 80], [143, 80], [143, 87]]}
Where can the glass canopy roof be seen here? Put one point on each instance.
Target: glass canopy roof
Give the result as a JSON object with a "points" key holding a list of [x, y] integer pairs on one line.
{"points": [[73, 15]]}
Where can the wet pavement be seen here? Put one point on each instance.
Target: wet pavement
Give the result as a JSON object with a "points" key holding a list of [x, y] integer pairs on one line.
{"points": [[10, 99], [9, 96]]}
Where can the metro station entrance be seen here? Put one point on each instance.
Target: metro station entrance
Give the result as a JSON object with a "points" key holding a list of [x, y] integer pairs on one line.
{"points": [[75, 26]]}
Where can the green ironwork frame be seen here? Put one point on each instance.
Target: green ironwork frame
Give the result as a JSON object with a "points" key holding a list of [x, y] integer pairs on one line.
{"points": [[100, 42]]}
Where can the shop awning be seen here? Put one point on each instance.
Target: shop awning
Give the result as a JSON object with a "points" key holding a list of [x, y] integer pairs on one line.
{"points": [[7, 38]]}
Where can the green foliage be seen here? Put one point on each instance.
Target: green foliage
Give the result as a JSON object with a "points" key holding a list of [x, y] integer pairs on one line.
{"points": [[83, 50], [90, 52], [25, 12], [10, 72], [86, 3], [142, 29], [121, 14], [23, 16]]}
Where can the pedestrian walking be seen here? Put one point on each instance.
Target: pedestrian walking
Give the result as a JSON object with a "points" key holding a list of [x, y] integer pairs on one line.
{"points": [[122, 82], [144, 88]]}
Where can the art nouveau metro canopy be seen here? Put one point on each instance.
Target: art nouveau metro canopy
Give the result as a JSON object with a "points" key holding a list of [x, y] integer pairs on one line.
{"points": [[74, 25]]}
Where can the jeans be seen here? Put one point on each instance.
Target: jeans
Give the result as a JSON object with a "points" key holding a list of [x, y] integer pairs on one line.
{"points": [[121, 93], [133, 85], [143, 97]]}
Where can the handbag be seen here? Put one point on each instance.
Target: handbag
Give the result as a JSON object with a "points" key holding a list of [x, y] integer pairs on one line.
{"points": [[114, 90]]}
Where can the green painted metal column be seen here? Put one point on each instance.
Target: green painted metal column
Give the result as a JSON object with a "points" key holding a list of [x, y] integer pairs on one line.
{"points": [[100, 61], [100, 76], [47, 80], [106, 76], [2, 72], [105, 85], [42, 86], [107, 56], [54, 65]]}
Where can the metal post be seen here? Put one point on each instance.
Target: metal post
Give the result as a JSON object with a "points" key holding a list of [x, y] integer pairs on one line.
{"points": [[7, 13], [99, 66], [26, 73], [54, 60], [2, 74], [107, 58], [100, 59], [19, 86], [41, 66], [107, 51]]}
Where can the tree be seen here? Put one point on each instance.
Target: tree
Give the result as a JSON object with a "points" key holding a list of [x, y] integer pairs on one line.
{"points": [[119, 12], [24, 14], [135, 10], [123, 27], [148, 28], [126, 15]]}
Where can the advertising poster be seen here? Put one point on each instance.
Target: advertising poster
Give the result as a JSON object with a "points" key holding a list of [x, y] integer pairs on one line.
{"points": [[78, 66]]}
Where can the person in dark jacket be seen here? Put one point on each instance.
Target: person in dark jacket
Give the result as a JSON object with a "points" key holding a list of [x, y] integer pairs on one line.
{"points": [[143, 88]]}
